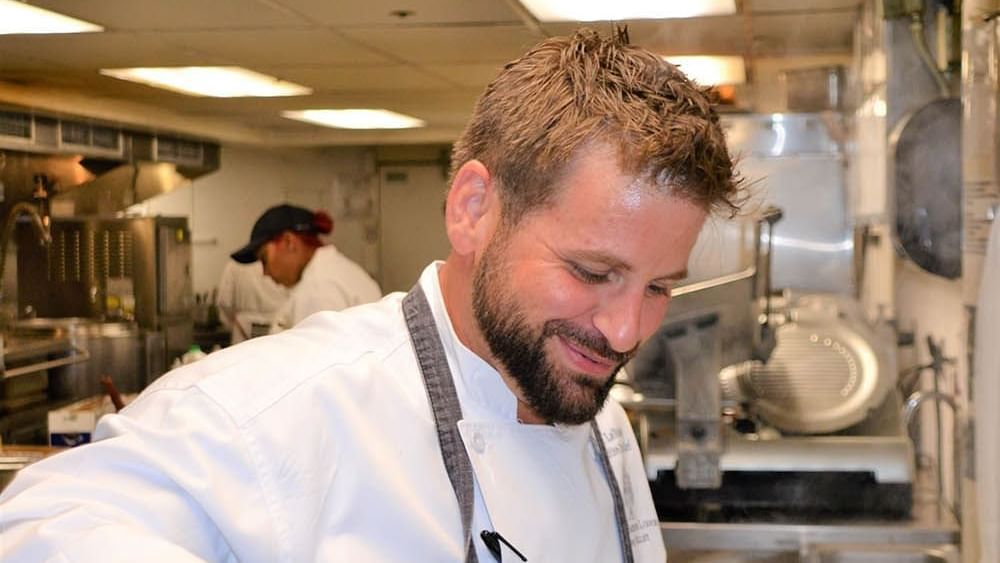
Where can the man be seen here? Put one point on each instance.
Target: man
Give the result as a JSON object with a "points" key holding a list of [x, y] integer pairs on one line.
{"points": [[466, 420], [285, 239], [248, 299]]}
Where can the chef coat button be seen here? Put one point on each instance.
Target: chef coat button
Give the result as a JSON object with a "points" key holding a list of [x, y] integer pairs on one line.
{"points": [[478, 442]]}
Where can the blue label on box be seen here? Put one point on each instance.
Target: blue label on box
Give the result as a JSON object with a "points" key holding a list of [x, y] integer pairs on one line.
{"points": [[69, 440]]}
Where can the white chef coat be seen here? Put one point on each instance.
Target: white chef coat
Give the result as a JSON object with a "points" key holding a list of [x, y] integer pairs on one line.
{"points": [[318, 444], [329, 282], [247, 297]]}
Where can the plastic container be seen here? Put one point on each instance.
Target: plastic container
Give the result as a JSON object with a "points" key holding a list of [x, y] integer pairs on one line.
{"points": [[193, 354]]}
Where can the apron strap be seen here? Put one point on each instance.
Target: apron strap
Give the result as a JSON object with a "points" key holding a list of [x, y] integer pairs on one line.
{"points": [[447, 412], [444, 404], [616, 494]]}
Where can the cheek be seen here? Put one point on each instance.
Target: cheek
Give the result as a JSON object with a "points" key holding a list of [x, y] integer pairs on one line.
{"points": [[556, 295]]}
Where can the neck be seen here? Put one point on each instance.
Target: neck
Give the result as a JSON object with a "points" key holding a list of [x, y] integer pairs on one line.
{"points": [[455, 278], [307, 255]]}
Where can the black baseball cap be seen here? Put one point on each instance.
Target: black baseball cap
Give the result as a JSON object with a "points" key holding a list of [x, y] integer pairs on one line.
{"points": [[272, 223]]}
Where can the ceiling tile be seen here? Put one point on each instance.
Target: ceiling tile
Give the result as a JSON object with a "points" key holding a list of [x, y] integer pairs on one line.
{"points": [[471, 75], [425, 45], [295, 47], [347, 13], [92, 51], [23, 63], [363, 79], [123, 15]]}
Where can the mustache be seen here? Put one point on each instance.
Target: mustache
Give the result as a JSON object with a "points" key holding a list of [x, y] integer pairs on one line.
{"points": [[592, 341]]}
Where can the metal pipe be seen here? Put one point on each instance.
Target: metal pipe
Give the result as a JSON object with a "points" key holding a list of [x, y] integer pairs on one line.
{"points": [[913, 404], [920, 42], [763, 336]]}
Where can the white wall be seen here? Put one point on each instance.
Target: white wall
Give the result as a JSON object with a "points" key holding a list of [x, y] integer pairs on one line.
{"points": [[222, 206]]}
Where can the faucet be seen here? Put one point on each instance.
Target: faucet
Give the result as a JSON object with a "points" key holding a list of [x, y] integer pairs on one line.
{"points": [[39, 220]]}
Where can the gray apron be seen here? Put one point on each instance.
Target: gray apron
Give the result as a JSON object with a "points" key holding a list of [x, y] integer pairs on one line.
{"points": [[448, 411]]}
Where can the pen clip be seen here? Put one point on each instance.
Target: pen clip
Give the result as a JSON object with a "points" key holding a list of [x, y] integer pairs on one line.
{"points": [[492, 541]]}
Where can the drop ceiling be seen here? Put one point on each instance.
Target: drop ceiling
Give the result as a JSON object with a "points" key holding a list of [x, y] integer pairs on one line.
{"points": [[425, 58]]}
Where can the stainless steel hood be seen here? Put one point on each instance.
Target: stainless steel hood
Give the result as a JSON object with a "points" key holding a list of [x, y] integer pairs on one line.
{"points": [[84, 167]]}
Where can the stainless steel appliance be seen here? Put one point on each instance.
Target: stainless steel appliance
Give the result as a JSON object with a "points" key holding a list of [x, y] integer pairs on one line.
{"points": [[117, 270], [815, 431], [94, 294], [752, 403]]}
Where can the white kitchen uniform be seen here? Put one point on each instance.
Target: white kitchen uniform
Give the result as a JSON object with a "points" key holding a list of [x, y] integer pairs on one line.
{"points": [[329, 282], [318, 444], [247, 297]]}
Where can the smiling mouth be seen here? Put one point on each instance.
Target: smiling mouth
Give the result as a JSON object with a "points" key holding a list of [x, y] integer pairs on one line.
{"points": [[586, 359]]}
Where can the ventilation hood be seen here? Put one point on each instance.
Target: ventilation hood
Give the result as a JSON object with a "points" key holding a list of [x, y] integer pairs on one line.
{"points": [[86, 167]]}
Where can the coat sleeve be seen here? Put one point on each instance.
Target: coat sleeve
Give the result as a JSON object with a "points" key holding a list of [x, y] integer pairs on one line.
{"points": [[188, 498]]}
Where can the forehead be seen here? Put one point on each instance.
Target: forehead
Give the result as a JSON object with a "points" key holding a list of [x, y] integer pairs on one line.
{"points": [[594, 184], [598, 207]]}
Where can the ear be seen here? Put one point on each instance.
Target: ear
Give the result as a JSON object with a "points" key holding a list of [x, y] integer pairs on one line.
{"points": [[288, 241], [472, 208]]}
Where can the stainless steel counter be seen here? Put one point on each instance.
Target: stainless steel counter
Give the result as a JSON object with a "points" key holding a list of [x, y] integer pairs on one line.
{"points": [[932, 534]]}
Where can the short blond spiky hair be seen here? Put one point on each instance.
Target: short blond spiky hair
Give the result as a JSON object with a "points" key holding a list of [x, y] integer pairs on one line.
{"points": [[568, 91]]}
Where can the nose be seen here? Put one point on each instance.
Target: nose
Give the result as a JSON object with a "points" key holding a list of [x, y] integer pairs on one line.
{"points": [[619, 319]]}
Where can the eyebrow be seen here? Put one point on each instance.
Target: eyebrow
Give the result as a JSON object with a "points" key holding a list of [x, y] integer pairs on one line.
{"points": [[619, 264]]}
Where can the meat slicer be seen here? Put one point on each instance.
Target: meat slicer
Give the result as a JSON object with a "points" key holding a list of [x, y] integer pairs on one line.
{"points": [[749, 404]]}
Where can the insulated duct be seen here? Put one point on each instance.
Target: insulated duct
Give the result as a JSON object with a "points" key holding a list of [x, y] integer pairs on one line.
{"points": [[92, 168]]}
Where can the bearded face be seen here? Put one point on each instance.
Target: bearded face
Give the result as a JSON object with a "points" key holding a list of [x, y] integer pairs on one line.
{"points": [[519, 344]]}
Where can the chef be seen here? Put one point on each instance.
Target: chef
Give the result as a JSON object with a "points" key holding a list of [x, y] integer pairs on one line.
{"points": [[285, 239], [466, 420]]}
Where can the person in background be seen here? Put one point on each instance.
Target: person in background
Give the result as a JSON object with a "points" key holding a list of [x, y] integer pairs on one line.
{"points": [[285, 239], [467, 420], [248, 299]]}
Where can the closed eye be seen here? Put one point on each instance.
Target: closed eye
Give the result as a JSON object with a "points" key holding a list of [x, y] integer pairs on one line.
{"points": [[586, 275], [659, 290]]}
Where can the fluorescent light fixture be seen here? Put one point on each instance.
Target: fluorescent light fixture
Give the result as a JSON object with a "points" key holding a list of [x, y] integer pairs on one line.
{"points": [[712, 71], [18, 17], [600, 10], [356, 118], [212, 81]]}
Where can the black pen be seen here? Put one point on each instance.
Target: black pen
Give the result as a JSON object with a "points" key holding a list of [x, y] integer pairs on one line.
{"points": [[492, 541]]}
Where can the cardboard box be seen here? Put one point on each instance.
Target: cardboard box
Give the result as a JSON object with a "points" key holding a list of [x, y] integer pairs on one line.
{"points": [[74, 424]]}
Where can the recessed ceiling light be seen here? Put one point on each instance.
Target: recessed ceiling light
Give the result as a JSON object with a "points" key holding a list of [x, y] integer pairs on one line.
{"points": [[356, 118], [599, 10], [18, 17], [213, 81], [712, 71]]}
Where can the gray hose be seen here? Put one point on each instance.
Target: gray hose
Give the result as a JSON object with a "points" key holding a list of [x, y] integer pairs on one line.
{"points": [[920, 42]]}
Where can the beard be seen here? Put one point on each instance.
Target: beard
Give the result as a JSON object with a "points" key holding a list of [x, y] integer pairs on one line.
{"points": [[556, 394]]}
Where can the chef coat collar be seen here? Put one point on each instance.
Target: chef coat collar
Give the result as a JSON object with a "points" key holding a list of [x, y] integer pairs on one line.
{"points": [[483, 393]]}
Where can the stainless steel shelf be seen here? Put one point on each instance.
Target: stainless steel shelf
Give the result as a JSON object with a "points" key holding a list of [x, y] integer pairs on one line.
{"points": [[26, 354], [929, 526]]}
